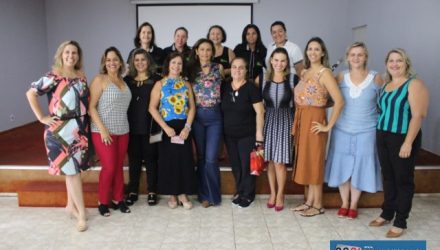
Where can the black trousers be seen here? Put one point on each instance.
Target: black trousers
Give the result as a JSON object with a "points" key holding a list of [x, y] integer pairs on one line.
{"points": [[239, 150], [398, 176], [140, 151]]}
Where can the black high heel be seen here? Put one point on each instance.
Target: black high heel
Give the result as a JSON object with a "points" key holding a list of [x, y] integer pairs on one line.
{"points": [[152, 199], [121, 206], [131, 199], [103, 210]]}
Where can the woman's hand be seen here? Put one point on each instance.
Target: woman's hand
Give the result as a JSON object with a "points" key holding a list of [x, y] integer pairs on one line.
{"points": [[169, 131], [405, 150], [49, 120], [259, 138], [319, 127], [105, 137], [184, 133]]}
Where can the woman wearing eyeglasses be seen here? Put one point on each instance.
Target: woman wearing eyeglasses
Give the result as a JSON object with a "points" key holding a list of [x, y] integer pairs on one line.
{"points": [[243, 118]]}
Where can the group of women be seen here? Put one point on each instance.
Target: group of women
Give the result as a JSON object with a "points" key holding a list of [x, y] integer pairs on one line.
{"points": [[373, 125]]}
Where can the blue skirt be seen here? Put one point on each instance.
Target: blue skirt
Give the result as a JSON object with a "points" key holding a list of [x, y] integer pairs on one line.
{"points": [[353, 156]]}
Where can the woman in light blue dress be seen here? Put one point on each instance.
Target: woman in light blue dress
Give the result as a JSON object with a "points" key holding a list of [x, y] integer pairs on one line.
{"points": [[352, 162]]}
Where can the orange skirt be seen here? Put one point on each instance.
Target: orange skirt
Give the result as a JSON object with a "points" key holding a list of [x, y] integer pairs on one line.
{"points": [[310, 148]]}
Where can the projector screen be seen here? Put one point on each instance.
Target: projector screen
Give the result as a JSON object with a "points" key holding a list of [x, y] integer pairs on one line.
{"points": [[196, 18]]}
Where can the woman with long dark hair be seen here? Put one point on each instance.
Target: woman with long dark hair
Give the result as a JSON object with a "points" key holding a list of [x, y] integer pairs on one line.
{"points": [[253, 50], [310, 126], [141, 79], [206, 78]]}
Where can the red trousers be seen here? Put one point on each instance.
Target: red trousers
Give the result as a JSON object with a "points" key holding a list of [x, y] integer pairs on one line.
{"points": [[112, 158]]}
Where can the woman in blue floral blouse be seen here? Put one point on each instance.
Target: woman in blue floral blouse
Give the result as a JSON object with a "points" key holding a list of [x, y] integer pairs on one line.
{"points": [[172, 107]]}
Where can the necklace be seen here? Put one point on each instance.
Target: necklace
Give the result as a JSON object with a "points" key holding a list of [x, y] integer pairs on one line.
{"points": [[140, 82]]}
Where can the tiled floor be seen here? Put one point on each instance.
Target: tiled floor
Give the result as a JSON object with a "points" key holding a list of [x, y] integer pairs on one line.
{"points": [[222, 227]]}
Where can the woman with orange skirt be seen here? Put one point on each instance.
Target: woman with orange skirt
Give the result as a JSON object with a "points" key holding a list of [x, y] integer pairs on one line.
{"points": [[310, 127]]}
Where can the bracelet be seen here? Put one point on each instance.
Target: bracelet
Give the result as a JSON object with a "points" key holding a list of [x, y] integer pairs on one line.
{"points": [[188, 126]]}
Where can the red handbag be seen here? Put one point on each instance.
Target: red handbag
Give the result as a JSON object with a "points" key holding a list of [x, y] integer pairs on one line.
{"points": [[257, 160]]}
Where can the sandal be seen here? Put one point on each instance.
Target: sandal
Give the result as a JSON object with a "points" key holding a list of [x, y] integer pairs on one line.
{"points": [[103, 210], [121, 206], [131, 199], [312, 211], [302, 207]]}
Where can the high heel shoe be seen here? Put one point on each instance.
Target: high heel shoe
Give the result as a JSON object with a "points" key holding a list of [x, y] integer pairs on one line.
{"points": [[103, 210], [270, 205], [279, 208], [172, 204], [81, 226], [121, 206], [186, 204], [131, 199], [152, 199]]}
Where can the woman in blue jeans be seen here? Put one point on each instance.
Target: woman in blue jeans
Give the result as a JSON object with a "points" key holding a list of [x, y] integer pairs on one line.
{"points": [[206, 77]]}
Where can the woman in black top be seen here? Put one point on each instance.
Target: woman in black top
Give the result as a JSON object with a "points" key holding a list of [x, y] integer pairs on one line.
{"points": [[243, 118], [145, 39], [223, 55], [140, 80], [253, 50]]}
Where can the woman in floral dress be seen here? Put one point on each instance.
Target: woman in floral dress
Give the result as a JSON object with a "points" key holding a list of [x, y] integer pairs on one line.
{"points": [[67, 124]]}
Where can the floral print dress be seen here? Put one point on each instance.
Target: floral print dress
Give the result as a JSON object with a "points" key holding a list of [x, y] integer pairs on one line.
{"points": [[67, 140]]}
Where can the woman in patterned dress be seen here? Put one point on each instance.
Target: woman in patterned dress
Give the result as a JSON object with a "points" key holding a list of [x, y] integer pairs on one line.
{"points": [[172, 107], [67, 125], [310, 125], [278, 143], [206, 78]]}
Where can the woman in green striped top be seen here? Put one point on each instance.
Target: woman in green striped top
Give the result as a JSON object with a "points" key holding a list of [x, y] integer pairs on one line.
{"points": [[403, 104]]}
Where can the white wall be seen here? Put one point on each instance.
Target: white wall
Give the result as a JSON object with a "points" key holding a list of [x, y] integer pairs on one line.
{"points": [[23, 50], [98, 24], [414, 26], [95, 24], [305, 19]]}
